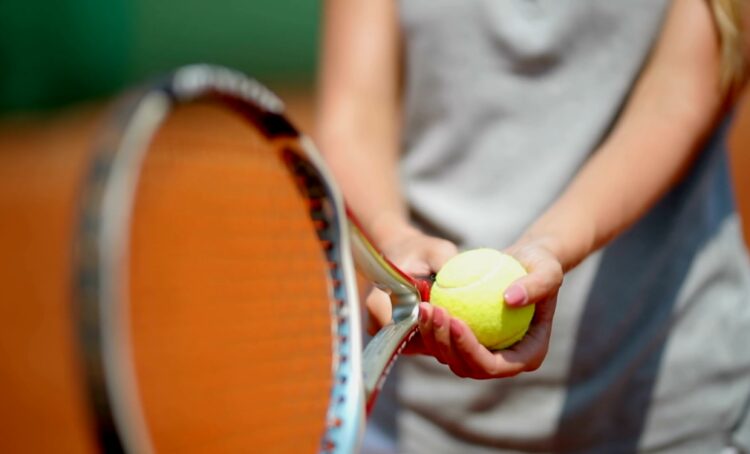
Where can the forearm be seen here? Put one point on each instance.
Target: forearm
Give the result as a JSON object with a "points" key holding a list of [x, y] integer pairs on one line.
{"points": [[358, 117], [675, 104]]}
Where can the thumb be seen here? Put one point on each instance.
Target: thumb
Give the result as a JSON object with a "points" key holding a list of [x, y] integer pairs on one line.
{"points": [[543, 280]]}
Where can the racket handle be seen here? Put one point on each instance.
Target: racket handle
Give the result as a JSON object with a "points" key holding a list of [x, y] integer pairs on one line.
{"points": [[381, 352]]}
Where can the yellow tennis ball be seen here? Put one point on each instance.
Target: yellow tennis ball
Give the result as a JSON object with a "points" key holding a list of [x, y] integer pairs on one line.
{"points": [[470, 286]]}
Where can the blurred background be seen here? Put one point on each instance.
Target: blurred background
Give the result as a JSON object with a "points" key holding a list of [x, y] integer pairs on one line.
{"points": [[54, 55], [61, 62], [57, 53]]}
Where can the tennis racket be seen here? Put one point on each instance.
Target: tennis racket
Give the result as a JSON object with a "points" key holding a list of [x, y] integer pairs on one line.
{"points": [[230, 322]]}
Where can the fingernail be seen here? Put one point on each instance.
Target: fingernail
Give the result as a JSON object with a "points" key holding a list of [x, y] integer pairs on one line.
{"points": [[438, 317], [423, 313], [455, 329], [515, 295]]}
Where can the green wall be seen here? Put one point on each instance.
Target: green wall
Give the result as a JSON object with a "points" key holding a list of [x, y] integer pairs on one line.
{"points": [[60, 51]]}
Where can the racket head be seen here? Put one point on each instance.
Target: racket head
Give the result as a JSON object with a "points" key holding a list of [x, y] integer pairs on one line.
{"points": [[143, 268]]}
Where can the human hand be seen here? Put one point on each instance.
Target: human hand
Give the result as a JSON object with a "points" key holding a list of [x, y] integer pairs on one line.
{"points": [[452, 343], [414, 253]]}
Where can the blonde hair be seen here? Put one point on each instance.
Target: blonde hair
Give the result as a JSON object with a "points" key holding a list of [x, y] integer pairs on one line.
{"points": [[728, 16]]}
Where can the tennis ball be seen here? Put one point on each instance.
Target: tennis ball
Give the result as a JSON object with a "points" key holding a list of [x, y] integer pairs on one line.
{"points": [[470, 286]]}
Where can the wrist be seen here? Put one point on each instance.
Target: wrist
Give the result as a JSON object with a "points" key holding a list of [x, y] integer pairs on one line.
{"points": [[569, 246]]}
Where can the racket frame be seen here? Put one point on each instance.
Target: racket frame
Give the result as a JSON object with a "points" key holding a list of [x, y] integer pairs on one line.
{"points": [[102, 242]]}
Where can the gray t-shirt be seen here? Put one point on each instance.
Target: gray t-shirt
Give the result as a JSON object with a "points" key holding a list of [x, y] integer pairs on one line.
{"points": [[504, 101]]}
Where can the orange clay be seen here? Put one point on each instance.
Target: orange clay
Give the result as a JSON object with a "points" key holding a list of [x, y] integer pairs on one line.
{"points": [[230, 306]]}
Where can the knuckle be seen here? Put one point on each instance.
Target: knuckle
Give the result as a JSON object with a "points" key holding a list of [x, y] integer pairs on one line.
{"points": [[446, 247], [557, 273], [550, 279], [494, 371], [439, 251]]}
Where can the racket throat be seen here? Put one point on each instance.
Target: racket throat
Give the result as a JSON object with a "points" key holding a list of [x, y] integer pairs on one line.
{"points": [[381, 352]]}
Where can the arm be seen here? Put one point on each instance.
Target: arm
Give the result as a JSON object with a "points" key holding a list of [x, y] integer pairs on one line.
{"points": [[358, 116], [358, 132], [673, 107]]}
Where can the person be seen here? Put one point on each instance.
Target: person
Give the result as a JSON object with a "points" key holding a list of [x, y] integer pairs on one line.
{"points": [[587, 140]]}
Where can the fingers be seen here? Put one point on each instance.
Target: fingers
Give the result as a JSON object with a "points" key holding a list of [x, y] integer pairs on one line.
{"points": [[444, 343], [544, 279], [416, 346], [426, 330], [434, 331], [453, 343], [425, 255], [530, 352], [533, 348], [485, 364], [482, 363], [379, 309], [439, 253]]}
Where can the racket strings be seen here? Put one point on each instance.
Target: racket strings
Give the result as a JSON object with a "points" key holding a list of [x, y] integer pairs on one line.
{"points": [[231, 291]]}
